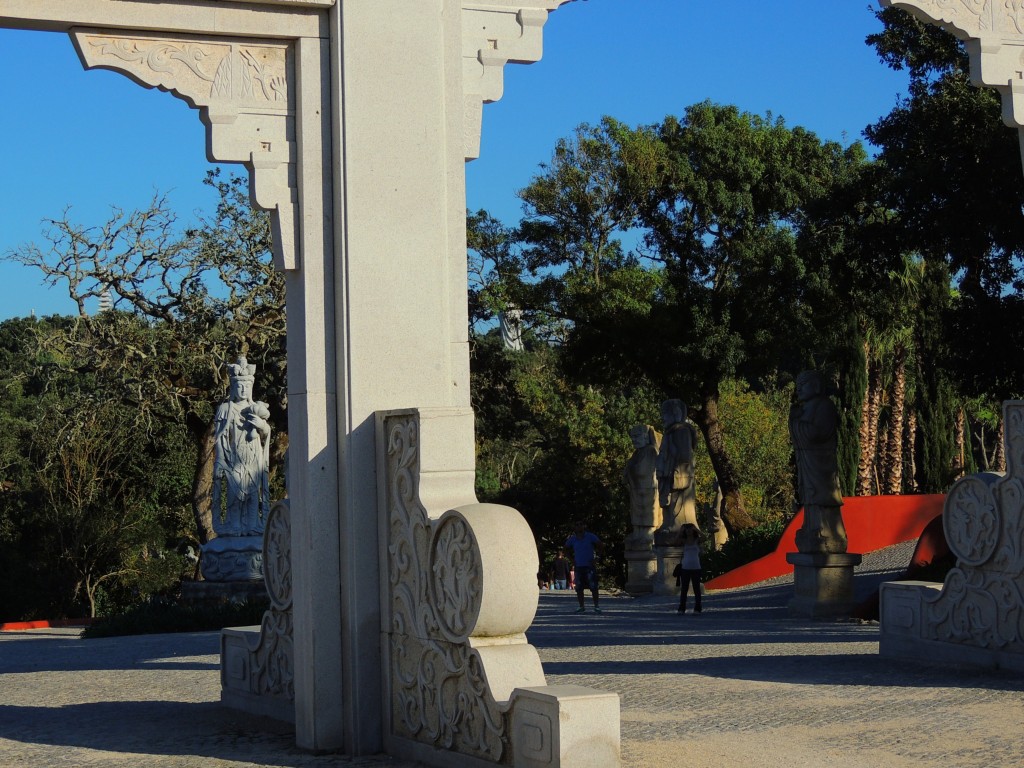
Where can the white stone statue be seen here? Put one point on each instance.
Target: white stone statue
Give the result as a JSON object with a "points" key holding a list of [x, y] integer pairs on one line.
{"points": [[676, 491], [241, 478], [511, 323], [640, 477], [813, 424], [241, 482]]}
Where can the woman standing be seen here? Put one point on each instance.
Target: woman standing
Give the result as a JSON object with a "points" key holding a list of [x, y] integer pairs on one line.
{"points": [[690, 538]]}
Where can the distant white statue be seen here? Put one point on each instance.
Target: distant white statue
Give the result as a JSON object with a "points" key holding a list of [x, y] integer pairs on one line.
{"points": [[241, 478], [511, 322]]}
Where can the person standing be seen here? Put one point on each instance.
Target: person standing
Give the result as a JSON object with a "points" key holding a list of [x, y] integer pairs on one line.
{"points": [[561, 571], [584, 545], [690, 537]]}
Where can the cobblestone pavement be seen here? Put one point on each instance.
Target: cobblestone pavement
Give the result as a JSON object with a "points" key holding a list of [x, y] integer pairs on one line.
{"points": [[740, 685]]}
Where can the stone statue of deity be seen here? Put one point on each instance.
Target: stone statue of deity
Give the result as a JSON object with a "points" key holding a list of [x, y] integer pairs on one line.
{"points": [[241, 479], [641, 478], [813, 424], [676, 486]]}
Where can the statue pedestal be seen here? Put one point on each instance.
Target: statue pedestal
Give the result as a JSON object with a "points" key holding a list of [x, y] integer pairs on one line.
{"points": [[823, 584], [212, 593], [641, 568], [668, 558], [233, 558]]}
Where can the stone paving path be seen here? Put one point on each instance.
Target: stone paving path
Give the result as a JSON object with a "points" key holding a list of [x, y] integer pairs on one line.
{"points": [[740, 685]]}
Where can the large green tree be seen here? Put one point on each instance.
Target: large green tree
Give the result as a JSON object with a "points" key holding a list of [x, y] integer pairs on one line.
{"points": [[717, 287]]}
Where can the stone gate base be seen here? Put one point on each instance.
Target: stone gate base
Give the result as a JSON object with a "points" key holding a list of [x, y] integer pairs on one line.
{"points": [[977, 615]]}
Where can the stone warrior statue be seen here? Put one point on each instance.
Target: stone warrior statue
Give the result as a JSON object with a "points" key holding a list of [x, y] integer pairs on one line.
{"points": [[813, 422], [641, 479], [241, 480], [676, 492]]}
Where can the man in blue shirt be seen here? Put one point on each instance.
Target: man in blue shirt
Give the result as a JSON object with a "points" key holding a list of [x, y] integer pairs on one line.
{"points": [[583, 544]]}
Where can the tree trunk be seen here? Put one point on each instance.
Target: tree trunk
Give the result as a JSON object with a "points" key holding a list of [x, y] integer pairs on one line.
{"points": [[734, 513], [959, 450], [202, 486], [999, 458], [910, 452], [892, 469], [869, 428]]}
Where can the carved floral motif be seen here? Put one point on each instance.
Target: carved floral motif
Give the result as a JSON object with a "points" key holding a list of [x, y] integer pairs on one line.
{"points": [[439, 691]]}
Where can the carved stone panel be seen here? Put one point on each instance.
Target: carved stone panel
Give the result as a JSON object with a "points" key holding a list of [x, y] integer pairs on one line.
{"points": [[459, 595], [243, 89]]}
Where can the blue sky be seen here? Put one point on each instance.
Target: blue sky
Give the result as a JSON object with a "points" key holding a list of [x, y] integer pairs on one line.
{"points": [[92, 140]]}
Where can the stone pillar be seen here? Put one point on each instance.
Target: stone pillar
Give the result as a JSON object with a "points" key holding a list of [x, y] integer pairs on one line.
{"points": [[823, 584], [668, 558]]}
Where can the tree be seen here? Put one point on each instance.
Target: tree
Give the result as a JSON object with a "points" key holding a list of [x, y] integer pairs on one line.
{"points": [[723, 215], [185, 304], [716, 292], [94, 506]]}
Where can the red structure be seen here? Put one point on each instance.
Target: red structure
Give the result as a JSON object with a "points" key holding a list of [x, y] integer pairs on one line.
{"points": [[872, 522]]}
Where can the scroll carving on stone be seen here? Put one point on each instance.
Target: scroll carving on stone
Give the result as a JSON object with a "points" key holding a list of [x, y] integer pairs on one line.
{"points": [[460, 592], [982, 600], [243, 91], [262, 665]]}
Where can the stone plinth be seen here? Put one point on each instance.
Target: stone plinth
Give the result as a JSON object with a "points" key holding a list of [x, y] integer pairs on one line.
{"points": [[212, 593], [667, 560], [565, 725], [641, 568], [233, 558], [823, 584]]}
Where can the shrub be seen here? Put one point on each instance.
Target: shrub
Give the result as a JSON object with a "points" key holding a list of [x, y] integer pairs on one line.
{"points": [[160, 616], [741, 548]]}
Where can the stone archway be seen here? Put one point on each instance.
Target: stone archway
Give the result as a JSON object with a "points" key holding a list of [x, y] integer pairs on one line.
{"points": [[354, 118]]}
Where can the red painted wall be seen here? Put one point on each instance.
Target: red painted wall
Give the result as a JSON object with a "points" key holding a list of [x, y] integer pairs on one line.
{"points": [[872, 522]]}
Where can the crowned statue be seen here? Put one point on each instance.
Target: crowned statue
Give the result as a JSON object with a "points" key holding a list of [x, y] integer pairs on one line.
{"points": [[241, 481]]}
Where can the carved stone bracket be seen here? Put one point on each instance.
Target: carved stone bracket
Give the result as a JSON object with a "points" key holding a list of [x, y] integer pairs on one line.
{"points": [[994, 33], [495, 32], [458, 593], [978, 615], [244, 91]]}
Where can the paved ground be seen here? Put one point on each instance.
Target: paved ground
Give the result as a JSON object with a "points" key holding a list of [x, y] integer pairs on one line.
{"points": [[741, 685]]}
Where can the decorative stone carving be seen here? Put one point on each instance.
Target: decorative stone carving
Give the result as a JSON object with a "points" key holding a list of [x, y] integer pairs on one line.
{"points": [[258, 669], [243, 91], [978, 615], [994, 33], [459, 594], [241, 482], [496, 32]]}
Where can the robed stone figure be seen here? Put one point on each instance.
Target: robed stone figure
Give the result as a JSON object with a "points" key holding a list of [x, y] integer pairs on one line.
{"points": [[676, 487], [241, 478], [813, 425], [641, 478]]}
